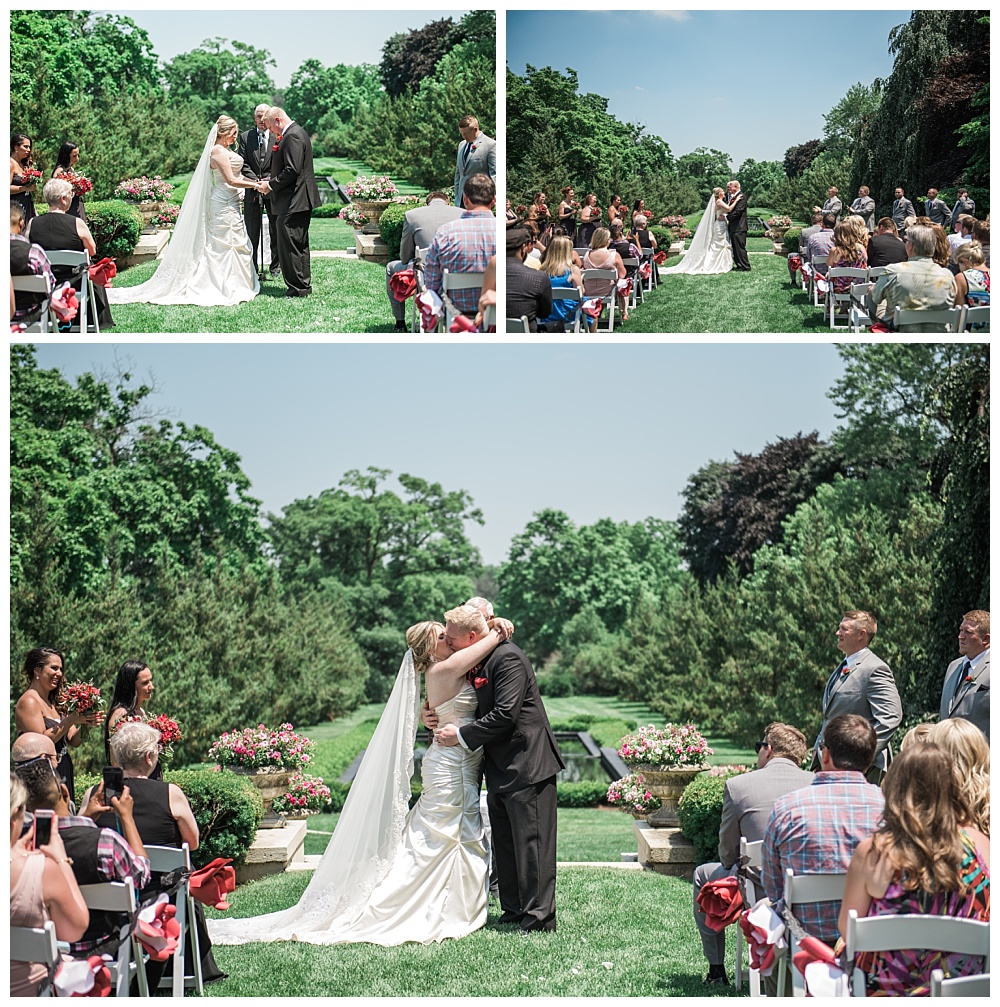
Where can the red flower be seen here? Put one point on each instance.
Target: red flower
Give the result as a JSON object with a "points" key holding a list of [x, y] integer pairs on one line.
{"points": [[478, 683], [721, 902]]}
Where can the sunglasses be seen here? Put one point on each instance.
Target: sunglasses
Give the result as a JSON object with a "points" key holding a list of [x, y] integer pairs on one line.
{"points": [[758, 745], [50, 761]]}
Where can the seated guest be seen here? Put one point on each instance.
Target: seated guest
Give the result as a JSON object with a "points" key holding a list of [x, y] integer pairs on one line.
{"points": [[821, 242], [847, 252], [917, 284], [601, 256], [419, 227], [558, 266], [42, 888], [963, 232], [58, 231], [529, 292], [969, 751], [886, 246], [916, 735], [97, 854], [465, 245], [533, 260], [26, 259], [626, 249], [808, 232], [488, 291], [641, 235], [561, 232], [925, 858], [589, 220], [746, 806], [972, 282], [981, 233], [942, 254]]}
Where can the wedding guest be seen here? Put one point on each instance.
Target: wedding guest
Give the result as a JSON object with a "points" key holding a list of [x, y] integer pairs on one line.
{"points": [[848, 251], [601, 256], [560, 232], [477, 154], [626, 249], [642, 236], [541, 209], [807, 232], [42, 888], [925, 858], [963, 205], [557, 265], [58, 231], [969, 750], [833, 203], [26, 259], [981, 233], [589, 219], [972, 282], [864, 207], [21, 191], [529, 292], [821, 242], [942, 253], [901, 209], [937, 209], [616, 214], [886, 246], [963, 233], [41, 709], [567, 213], [916, 735], [69, 154]]}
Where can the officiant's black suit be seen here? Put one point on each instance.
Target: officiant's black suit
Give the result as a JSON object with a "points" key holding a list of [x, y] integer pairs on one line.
{"points": [[294, 193], [521, 762], [256, 164], [737, 218]]}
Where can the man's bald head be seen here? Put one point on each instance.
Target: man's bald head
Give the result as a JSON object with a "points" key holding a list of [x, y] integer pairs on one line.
{"points": [[483, 605], [31, 746]]}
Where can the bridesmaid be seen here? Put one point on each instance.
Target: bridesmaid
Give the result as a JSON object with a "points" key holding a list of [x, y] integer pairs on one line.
{"points": [[40, 709], [567, 214], [69, 154], [20, 158], [133, 689]]}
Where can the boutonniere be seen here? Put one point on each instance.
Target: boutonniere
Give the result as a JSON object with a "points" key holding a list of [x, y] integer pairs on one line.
{"points": [[478, 681], [277, 140], [845, 671], [969, 678]]}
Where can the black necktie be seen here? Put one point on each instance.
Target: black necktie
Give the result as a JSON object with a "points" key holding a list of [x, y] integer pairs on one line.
{"points": [[465, 155], [962, 675]]}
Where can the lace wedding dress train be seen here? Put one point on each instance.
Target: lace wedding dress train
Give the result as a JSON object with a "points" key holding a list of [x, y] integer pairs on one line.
{"points": [[711, 251], [389, 877]]}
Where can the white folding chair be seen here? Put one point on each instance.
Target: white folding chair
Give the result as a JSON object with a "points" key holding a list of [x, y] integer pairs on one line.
{"points": [[570, 294], [653, 279], [451, 282], [858, 317], [419, 255], [844, 299], [819, 267], [752, 854], [120, 897], [519, 324], [949, 934], [874, 272], [979, 315], [582, 250], [963, 986], [36, 944], [164, 859], [65, 257], [489, 318], [36, 285], [611, 299], [800, 889], [632, 269], [947, 318]]}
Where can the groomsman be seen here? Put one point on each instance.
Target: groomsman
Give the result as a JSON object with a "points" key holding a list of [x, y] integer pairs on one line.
{"points": [[833, 203], [477, 154], [255, 149], [963, 205], [937, 209], [901, 209], [864, 206], [966, 691]]}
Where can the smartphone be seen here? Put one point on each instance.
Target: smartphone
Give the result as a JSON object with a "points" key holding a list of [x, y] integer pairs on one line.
{"points": [[114, 781], [43, 828]]}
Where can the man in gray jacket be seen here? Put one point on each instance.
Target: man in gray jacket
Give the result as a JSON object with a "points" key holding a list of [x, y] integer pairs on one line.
{"points": [[937, 209], [901, 209], [864, 206], [419, 225], [477, 153], [833, 203], [746, 806], [963, 205], [966, 690]]}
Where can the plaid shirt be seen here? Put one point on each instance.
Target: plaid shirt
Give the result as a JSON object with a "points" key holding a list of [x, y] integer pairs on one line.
{"points": [[464, 245], [815, 831], [115, 862]]}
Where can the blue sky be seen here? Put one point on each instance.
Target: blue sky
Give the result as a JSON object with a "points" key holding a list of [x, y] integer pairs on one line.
{"points": [[593, 430], [749, 83], [290, 36]]}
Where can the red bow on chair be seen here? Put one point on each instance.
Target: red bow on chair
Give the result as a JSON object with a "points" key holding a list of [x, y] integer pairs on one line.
{"points": [[593, 306], [462, 323], [158, 930], [721, 902], [103, 272], [64, 303], [430, 305], [625, 286], [765, 932], [403, 284], [660, 257], [645, 270], [83, 978], [210, 884], [820, 968]]}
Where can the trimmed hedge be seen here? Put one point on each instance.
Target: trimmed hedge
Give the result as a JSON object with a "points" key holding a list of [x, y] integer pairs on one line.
{"points": [[792, 240], [326, 210], [700, 812], [390, 226], [582, 794], [116, 227]]}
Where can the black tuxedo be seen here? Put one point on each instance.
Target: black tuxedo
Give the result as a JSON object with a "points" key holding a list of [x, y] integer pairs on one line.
{"points": [[737, 219], [521, 762], [294, 193], [256, 165]]}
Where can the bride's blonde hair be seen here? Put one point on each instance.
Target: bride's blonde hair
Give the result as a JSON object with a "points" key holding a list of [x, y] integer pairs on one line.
{"points": [[718, 193], [422, 640], [226, 125]]}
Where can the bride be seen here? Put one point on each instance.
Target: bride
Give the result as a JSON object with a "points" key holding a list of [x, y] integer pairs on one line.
{"points": [[388, 877], [711, 250], [208, 261]]}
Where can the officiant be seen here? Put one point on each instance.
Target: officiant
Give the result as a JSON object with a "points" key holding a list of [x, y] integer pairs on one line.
{"points": [[255, 149]]}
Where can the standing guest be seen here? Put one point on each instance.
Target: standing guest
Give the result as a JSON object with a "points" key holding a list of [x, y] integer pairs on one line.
{"points": [[477, 154], [862, 684], [886, 246], [567, 214], [901, 209], [864, 207], [589, 219], [26, 259], [981, 233], [747, 803], [42, 888], [615, 213], [557, 264], [529, 292], [963, 232], [541, 209], [963, 205], [966, 689], [466, 244], [639, 210], [926, 858], [969, 750], [21, 191], [807, 232], [133, 690], [511, 214], [601, 256], [972, 279], [69, 154], [937, 209], [40, 710], [833, 203]]}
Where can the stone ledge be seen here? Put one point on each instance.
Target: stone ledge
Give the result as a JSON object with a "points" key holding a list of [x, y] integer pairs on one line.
{"points": [[666, 851], [371, 248], [150, 246], [272, 851]]}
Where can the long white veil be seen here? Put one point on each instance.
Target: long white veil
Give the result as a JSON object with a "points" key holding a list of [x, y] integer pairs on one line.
{"points": [[187, 244], [694, 258], [364, 843]]}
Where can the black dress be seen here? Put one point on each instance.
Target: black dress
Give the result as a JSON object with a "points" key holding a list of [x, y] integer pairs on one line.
{"points": [[25, 200], [76, 207], [585, 233], [569, 223], [65, 767]]}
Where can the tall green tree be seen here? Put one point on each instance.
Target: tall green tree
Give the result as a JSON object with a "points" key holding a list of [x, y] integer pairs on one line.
{"points": [[328, 97], [847, 124], [706, 168]]}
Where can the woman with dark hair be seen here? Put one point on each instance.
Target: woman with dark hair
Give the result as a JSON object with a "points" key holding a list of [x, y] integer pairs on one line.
{"points": [[21, 189], [927, 858], [133, 689], [41, 710], [69, 154], [567, 214], [638, 210], [615, 213]]}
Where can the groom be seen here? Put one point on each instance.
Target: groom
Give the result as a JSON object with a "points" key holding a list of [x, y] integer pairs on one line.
{"points": [[737, 218], [521, 761], [294, 193]]}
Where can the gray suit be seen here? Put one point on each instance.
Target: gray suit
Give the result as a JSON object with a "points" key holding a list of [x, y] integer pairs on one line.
{"points": [[869, 690], [747, 804], [901, 209], [864, 206], [938, 210], [419, 225], [481, 157], [834, 205], [973, 699], [966, 206]]}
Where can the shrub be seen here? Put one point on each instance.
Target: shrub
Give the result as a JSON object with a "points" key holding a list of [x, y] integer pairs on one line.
{"points": [[116, 227], [792, 240], [390, 227], [555, 683], [700, 812], [581, 794], [326, 211], [338, 794], [664, 236]]}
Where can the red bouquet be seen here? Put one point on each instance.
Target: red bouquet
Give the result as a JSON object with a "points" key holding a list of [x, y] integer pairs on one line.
{"points": [[169, 733], [30, 175], [81, 185], [82, 697]]}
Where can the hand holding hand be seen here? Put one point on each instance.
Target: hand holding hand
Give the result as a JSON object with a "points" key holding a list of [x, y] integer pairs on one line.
{"points": [[447, 735], [265, 186]]}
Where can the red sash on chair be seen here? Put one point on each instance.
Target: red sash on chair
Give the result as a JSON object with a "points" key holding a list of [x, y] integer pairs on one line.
{"points": [[210, 884]]}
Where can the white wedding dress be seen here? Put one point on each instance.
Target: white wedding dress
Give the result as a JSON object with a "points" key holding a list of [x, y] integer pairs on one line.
{"points": [[208, 261], [388, 877], [710, 251]]}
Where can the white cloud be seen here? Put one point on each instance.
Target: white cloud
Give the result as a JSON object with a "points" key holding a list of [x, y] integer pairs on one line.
{"points": [[639, 88], [672, 15]]}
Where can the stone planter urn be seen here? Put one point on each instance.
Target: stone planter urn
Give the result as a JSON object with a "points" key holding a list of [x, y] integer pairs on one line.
{"points": [[668, 783], [149, 210], [272, 782], [372, 211], [301, 815], [778, 240]]}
